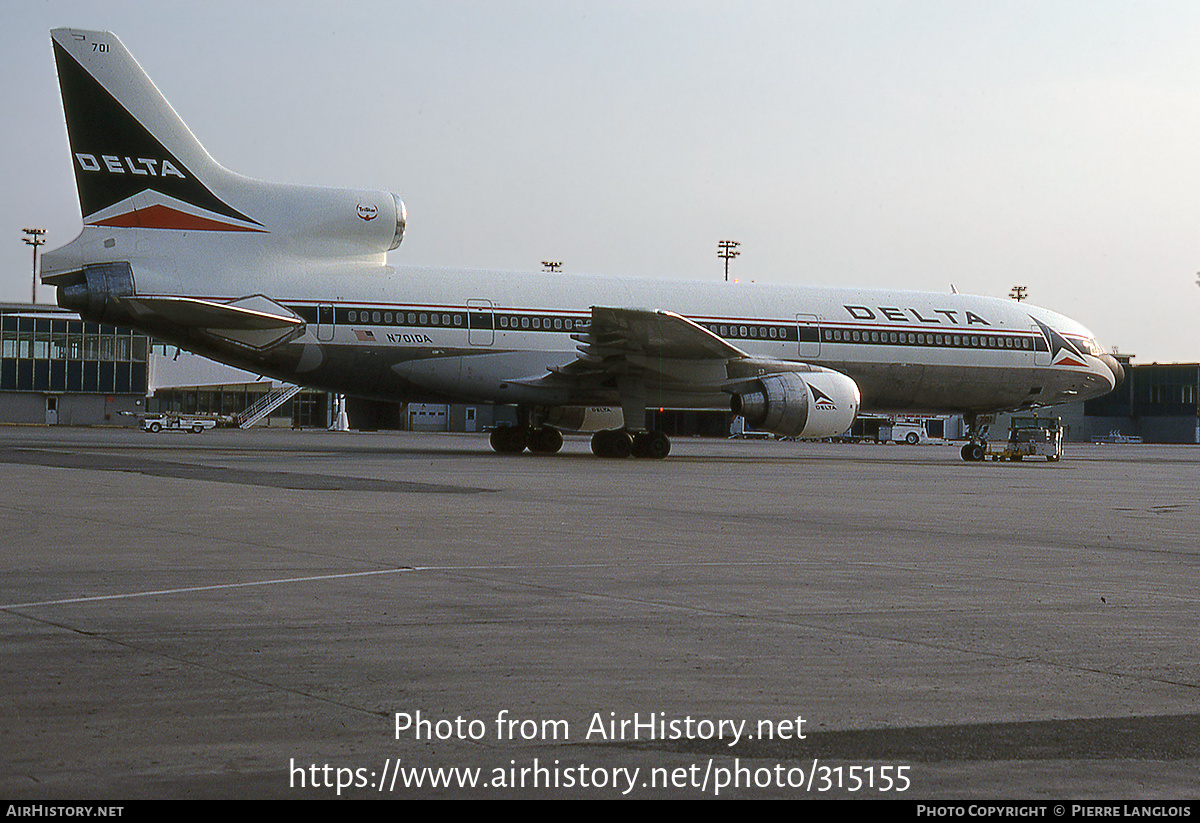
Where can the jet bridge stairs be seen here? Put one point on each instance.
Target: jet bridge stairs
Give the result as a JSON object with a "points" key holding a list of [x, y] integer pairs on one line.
{"points": [[268, 403]]}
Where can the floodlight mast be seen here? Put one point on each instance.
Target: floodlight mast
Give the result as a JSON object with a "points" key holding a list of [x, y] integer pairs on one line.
{"points": [[35, 240], [727, 250]]}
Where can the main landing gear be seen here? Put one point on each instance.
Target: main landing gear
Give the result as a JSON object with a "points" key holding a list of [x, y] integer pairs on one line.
{"points": [[531, 432], [609, 443], [622, 443], [515, 439]]}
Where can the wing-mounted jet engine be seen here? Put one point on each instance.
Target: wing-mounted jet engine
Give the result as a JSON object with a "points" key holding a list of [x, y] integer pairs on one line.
{"points": [[812, 403]]}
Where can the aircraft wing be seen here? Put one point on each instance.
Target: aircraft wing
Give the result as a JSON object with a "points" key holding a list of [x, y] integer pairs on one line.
{"points": [[652, 348], [649, 343], [651, 333], [640, 357]]}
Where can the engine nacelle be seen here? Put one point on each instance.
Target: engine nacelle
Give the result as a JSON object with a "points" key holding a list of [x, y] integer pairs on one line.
{"points": [[809, 405], [322, 222], [585, 418], [95, 292], [401, 220]]}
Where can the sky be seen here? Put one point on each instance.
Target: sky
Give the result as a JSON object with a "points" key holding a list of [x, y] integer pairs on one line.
{"points": [[907, 145]]}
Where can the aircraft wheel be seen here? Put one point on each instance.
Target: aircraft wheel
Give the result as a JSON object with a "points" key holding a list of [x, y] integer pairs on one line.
{"points": [[612, 443], [545, 440], [652, 445], [660, 446], [972, 452], [599, 443], [641, 444], [509, 439], [621, 444]]}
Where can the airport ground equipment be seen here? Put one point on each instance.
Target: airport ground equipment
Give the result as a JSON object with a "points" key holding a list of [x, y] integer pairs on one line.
{"points": [[1115, 437], [1031, 436], [177, 422], [911, 432], [268, 403]]}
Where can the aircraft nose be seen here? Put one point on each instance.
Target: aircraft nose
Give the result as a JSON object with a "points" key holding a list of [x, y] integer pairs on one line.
{"points": [[1115, 367]]}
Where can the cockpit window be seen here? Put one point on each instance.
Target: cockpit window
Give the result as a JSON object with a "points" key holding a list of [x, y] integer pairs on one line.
{"points": [[1087, 345]]}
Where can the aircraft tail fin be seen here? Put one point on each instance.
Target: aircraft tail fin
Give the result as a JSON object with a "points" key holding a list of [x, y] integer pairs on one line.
{"points": [[160, 212], [136, 164]]}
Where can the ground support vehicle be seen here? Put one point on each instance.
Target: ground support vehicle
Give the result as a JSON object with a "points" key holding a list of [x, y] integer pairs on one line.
{"points": [[177, 422], [1029, 437]]}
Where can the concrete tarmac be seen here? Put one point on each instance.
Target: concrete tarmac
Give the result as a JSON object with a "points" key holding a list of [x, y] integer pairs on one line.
{"points": [[269, 614]]}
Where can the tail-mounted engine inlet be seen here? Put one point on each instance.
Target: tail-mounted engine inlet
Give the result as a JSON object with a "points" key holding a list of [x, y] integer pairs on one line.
{"points": [[95, 291]]}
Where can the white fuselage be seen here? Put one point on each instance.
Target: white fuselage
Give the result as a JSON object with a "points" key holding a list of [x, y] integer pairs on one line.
{"points": [[294, 282], [425, 333]]}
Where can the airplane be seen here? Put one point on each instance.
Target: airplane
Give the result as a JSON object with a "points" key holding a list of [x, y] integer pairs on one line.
{"points": [[293, 282]]}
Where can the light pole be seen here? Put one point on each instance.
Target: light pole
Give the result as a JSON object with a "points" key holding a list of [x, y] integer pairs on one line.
{"points": [[1018, 293], [726, 249], [35, 240], [552, 265]]}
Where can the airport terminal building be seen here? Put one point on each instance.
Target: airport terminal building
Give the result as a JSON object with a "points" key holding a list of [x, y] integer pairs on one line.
{"points": [[58, 369], [1157, 402]]}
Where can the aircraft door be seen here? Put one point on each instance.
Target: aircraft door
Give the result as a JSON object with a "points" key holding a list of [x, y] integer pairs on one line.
{"points": [[1041, 347], [808, 335], [481, 328], [325, 318]]}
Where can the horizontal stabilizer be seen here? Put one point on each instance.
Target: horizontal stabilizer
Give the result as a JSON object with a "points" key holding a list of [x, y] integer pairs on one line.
{"points": [[248, 313], [256, 322]]}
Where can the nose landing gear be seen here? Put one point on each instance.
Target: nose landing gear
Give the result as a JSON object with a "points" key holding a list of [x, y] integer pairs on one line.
{"points": [[973, 452], [977, 426]]}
